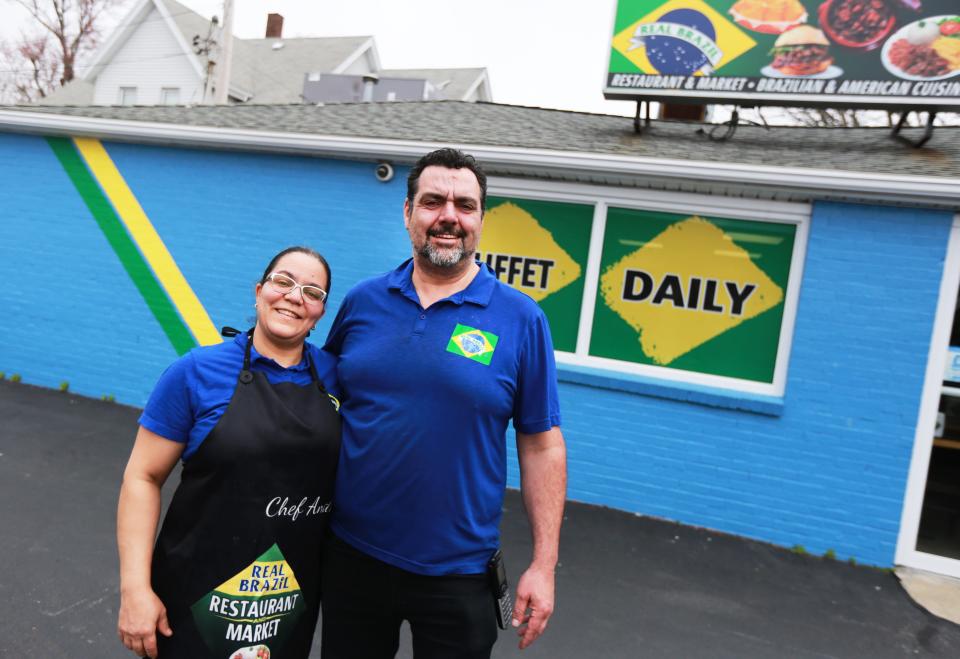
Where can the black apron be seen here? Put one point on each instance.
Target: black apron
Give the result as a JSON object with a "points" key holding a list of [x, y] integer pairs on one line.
{"points": [[237, 562]]}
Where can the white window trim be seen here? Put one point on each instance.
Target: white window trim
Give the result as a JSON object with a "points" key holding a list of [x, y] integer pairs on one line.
{"points": [[602, 198], [907, 553], [163, 95], [121, 95]]}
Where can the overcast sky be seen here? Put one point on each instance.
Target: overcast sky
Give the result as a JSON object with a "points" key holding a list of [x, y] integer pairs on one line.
{"points": [[546, 54]]}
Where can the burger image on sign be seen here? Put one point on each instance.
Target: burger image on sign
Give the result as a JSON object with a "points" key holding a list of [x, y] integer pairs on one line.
{"points": [[801, 51]]}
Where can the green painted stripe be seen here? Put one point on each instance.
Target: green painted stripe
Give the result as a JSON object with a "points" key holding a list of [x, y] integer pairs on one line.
{"points": [[123, 245]]}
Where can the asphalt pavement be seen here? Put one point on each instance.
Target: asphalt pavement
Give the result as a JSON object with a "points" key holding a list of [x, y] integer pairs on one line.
{"points": [[627, 586]]}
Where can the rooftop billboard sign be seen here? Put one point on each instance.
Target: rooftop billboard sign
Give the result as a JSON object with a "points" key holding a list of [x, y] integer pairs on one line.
{"points": [[840, 53]]}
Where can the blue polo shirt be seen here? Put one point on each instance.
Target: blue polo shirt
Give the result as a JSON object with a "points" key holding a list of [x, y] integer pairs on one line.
{"points": [[426, 399], [194, 391]]}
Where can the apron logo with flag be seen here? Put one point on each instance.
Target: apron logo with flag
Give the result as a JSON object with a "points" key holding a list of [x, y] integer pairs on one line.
{"points": [[252, 611], [472, 343]]}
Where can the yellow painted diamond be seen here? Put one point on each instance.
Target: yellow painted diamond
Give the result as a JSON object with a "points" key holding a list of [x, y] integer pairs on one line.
{"points": [[540, 267], [688, 285]]}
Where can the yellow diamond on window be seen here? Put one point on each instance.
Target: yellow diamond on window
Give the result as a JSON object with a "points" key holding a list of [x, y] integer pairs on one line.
{"points": [[688, 285], [523, 254]]}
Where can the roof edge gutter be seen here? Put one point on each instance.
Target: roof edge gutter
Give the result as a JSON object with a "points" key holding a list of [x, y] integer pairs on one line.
{"points": [[827, 184]]}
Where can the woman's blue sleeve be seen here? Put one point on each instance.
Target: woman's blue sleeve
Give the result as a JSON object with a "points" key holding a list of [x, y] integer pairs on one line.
{"points": [[169, 411]]}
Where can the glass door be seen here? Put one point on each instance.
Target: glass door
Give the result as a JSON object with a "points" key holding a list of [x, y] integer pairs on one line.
{"points": [[939, 532]]}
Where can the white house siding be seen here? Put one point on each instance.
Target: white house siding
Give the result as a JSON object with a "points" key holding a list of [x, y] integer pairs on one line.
{"points": [[150, 60]]}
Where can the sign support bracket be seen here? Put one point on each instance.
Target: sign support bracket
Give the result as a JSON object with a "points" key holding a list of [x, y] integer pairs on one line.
{"points": [[731, 125], [927, 132], [646, 120]]}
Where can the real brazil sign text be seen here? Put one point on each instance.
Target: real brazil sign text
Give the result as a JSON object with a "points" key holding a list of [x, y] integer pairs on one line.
{"points": [[856, 53]]}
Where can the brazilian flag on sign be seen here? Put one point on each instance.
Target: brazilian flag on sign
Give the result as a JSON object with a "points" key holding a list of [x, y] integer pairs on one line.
{"points": [[472, 343]]}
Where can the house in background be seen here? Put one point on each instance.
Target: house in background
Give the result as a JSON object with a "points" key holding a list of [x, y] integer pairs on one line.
{"points": [[160, 54]]}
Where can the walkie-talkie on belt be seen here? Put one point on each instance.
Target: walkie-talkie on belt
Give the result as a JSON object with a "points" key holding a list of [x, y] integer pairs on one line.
{"points": [[502, 601]]}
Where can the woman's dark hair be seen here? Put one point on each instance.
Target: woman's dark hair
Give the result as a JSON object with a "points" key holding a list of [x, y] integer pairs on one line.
{"points": [[303, 250], [451, 159]]}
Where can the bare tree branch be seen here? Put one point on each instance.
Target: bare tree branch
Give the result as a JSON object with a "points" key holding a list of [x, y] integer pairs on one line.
{"points": [[67, 30], [73, 24], [33, 70]]}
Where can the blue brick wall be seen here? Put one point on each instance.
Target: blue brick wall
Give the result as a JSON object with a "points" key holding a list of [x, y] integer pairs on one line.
{"points": [[224, 215], [830, 472], [68, 310], [221, 215], [827, 473]]}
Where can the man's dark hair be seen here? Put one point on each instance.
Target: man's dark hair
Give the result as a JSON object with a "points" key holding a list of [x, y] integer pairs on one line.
{"points": [[451, 159], [302, 250]]}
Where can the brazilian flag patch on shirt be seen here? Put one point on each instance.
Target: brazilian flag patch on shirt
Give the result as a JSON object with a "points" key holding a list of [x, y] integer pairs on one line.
{"points": [[472, 343]]}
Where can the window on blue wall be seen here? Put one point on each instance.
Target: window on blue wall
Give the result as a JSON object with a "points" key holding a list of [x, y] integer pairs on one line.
{"points": [[686, 288], [541, 248], [692, 292]]}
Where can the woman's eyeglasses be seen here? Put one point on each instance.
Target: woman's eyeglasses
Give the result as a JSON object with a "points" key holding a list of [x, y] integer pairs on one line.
{"points": [[284, 284]]}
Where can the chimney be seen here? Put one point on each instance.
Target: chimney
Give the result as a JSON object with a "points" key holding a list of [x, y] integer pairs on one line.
{"points": [[683, 112], [274, 26], [369, 81]]}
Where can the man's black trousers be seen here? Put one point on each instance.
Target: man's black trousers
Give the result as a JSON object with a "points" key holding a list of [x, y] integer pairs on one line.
{"points": [[366, 600]]}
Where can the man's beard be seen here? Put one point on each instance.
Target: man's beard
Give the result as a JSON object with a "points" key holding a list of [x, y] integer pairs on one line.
{"points": [[444, 257]]}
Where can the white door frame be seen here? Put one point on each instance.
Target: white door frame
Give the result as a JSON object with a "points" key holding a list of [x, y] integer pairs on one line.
{"points": [[907, 553]]}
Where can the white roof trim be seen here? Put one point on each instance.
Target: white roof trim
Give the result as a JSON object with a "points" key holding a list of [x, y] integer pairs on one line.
{"points": [[122, 33], [890, 188], [178, 35], [482, 80], [367, 45]]}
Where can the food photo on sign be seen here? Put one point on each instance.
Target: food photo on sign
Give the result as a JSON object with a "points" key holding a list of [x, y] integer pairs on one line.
{"points": [[928, 48], [801, 51], [861, 52]]}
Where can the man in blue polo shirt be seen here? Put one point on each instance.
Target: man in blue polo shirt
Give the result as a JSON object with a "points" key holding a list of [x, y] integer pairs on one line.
{"points": [[435, 359]]}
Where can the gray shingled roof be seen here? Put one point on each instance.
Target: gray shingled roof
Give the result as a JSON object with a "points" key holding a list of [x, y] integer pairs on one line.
{"points": [[276, 75], [271, 75], [189, 22], [75, 92], [867, 150]]}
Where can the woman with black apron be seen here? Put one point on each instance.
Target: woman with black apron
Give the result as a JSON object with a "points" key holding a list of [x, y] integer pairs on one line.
{"points": [[235, 570]]}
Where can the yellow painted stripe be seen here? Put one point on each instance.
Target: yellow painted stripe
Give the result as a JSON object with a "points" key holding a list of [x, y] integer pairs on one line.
{"points": [[148, 240]]}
